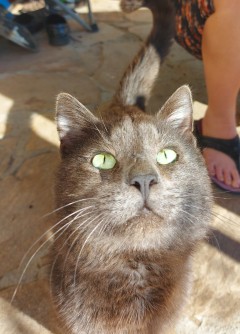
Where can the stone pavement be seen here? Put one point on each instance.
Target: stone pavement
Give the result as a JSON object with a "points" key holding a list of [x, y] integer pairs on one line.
{"points": [[90, 68]]}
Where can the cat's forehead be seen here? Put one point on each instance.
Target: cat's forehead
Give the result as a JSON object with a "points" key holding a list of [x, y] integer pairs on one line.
{"points": [[135, 133]]}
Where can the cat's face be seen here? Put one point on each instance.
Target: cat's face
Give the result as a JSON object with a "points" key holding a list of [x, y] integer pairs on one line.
{"points": [[141, 175]]}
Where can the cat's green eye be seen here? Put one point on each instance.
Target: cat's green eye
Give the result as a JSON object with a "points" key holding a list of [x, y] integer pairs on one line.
{"points": [[166, 156], [104, 161]]}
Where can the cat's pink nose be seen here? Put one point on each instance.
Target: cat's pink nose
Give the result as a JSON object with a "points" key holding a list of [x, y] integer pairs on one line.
{"points": [[143, 183]]}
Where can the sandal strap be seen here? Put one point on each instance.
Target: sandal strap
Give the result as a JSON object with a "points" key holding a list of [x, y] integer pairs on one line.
{"points": [[231, 147]]}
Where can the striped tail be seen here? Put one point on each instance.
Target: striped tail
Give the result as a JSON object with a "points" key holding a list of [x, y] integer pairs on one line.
{"points": [[137, 82]]}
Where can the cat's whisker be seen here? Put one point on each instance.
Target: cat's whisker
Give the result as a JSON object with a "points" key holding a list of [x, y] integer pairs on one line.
{"points": [[50, 229], [91, 125], [102, 121], [193, 220], [212, 233], [97, 217], [74, 231], [64, 227], [199, 220], [79, 255], [78, 229], [78, 216], [188, 213], [99, 132], [101, 230], [223, 219], [216, 240], [104, 227], [216, 191], [190, 195], [69, 204], [217, 215]]}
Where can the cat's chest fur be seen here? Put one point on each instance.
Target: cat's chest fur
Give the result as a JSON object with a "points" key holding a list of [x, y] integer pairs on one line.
{"points": [[134, 287]]}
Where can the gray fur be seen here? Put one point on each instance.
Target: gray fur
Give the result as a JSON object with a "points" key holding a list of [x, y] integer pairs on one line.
{"points": [[121, 261]]}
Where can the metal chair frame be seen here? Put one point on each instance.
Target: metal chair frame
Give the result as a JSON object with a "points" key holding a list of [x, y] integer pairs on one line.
{"points": [[91, 26]]}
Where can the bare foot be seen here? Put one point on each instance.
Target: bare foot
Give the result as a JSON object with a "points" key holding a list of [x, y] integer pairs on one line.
{"points": [[219, 164], [222, 167]]}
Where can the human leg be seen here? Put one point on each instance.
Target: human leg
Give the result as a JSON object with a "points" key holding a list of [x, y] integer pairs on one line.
{"points": [[221, 50]]}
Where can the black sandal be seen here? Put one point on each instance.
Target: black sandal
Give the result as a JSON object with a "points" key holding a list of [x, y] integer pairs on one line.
{"points": [[230, 147]]}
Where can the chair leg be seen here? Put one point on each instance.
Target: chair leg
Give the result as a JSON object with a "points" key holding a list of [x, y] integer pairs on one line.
{"points": [[92, 21], [89, 27]]}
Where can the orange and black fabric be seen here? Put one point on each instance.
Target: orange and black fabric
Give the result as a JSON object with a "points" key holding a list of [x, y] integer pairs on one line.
{"points": [[190, 19]]}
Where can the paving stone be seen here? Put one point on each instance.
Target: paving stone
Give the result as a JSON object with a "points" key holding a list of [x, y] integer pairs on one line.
{"points": [[142, 15], [112, 16], [15, 58], [115, 58], [141, 31], [22, 219], [35, 91], [106, 33], [35, 299], [12, 321]]}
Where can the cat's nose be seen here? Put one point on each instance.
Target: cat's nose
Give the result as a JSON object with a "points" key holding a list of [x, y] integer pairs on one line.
{"points": [[143, 183]]}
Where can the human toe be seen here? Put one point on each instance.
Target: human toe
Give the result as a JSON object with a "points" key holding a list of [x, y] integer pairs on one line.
{"points": [[235, 179], [228, 179], [220, 174]]}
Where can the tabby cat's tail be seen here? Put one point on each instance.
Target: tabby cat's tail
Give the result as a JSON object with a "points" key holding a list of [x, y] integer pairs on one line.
{"points": [[137, 82]]}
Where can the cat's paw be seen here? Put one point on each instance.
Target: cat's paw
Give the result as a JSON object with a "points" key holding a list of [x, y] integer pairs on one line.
{"points": [[129, 6]]}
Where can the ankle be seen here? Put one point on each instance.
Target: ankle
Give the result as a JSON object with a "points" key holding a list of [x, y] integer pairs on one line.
{"points": [[219, 127]]}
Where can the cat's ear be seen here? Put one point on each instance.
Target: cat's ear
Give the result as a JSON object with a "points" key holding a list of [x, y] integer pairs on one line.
{"points": [[72, 118], [178, 110]]}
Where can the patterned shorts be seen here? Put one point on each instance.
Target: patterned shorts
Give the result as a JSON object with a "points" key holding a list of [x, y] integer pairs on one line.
{"points": [[190, 19]]}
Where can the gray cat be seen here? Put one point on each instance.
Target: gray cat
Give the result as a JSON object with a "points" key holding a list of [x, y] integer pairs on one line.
{"points": [[135, 199]]}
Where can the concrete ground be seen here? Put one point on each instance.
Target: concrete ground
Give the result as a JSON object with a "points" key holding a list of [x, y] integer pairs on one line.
{"points": [[90, 68]]}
